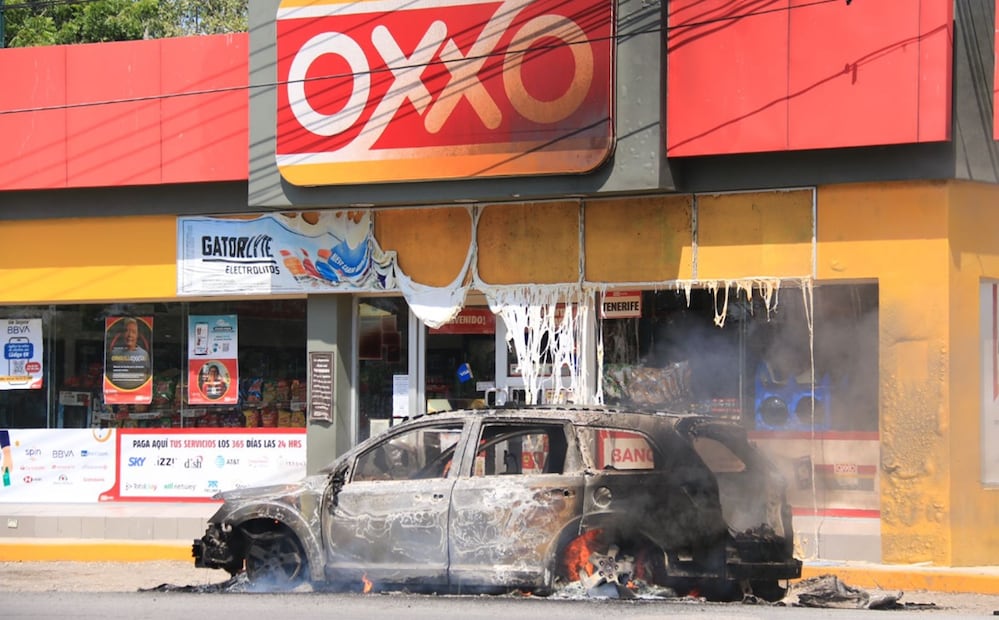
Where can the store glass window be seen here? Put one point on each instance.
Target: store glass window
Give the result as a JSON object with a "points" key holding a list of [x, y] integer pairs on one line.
{"points": [[26, 341], [506, 449], [769, 368], [383, 362], [202, 364], [461, 360], [417, 454]]}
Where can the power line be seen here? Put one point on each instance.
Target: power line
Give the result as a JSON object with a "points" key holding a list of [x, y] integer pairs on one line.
{"points": [[278, 83], [30, 5]]}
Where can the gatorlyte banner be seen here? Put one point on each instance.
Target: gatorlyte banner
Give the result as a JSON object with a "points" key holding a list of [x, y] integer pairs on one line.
{"points": [[287, 252]]}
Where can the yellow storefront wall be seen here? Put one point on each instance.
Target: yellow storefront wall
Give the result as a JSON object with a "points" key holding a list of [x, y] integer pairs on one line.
{"points": [[431, 244], [649, 239], [754, 235], [929, 245], [88, 260], [974, 256]]}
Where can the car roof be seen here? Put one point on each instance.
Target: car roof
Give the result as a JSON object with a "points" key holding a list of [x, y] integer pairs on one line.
{"points": [[578, 414], [653, 422]]}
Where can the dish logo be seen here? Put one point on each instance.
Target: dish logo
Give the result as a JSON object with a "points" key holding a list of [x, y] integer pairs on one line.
{"points": [[442, 89]]}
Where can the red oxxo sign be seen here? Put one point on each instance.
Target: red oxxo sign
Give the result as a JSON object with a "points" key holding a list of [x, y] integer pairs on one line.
{"points": [[393, 90]]}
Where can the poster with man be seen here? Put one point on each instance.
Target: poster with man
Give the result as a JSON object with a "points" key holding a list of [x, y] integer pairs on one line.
{"points": [[212, 360], [128, 366]]}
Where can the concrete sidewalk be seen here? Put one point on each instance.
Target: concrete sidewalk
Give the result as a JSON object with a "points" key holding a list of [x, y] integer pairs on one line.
{"points": [[149, 531]]}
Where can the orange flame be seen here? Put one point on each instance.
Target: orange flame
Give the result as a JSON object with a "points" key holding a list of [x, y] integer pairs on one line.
{"points": [[367, 583], [577, 554]]}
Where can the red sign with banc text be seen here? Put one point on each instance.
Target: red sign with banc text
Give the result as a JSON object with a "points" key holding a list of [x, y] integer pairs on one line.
{"points": [[383, 90]]}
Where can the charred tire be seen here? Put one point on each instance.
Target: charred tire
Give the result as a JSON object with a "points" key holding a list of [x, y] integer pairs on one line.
{"points": [[234, 568], [275, 558]]}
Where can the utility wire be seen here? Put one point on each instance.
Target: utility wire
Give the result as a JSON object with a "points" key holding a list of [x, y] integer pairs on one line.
{"points": [[34, 5], [274, 84]]}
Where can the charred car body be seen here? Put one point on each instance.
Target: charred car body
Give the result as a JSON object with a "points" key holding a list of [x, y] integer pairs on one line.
{"points": [[529, 499]]}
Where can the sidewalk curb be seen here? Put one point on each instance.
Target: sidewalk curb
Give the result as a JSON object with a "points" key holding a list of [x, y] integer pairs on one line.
{"points": [[59, 550], [906, 578]]}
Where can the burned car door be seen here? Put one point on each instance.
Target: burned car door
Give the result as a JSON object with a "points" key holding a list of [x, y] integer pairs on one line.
{"points": [[643, 491], [388, 521], [753, 501], [519, 490]]}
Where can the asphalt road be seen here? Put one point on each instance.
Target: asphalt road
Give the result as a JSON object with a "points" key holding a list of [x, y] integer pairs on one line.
{"points": [[177, 590]]}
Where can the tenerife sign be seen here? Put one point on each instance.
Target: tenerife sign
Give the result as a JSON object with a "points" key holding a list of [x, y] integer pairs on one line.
{"points": [[386, 91]]}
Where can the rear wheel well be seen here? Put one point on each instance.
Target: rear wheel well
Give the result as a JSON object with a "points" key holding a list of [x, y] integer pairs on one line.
{"points": [[570, 557]]}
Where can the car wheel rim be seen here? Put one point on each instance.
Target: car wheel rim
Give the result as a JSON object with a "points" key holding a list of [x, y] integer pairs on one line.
{"points": [[279, 561]]}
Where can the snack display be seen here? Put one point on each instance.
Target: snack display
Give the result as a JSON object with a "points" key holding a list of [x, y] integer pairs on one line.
{"points": [[264, 403]]}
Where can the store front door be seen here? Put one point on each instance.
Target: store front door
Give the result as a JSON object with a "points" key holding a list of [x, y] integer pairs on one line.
{"points": [[383, 363], [460, 366]]}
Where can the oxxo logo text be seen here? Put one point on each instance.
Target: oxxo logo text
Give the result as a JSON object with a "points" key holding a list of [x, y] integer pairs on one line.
{"points": [[434, 89]]}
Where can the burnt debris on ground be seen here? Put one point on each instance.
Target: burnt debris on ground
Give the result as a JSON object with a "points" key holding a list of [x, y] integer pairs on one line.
{"points": [[824, 591], [829, 591]]}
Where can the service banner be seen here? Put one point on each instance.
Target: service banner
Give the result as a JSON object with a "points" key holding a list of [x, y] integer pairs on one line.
{"points": [[197, 463], [22, 354], [64, 466], [212, 352], [309, 252], [128, 360]]}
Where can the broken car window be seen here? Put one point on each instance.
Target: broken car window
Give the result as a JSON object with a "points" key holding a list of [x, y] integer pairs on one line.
{"points": [[420, 453], [717, 456], [520, 449]]}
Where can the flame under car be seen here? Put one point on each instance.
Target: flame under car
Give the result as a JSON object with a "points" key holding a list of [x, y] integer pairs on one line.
{"points": [[522, 499]]}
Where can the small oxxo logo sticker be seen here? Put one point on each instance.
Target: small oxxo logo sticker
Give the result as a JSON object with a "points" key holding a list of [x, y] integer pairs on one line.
{"points": [[384, 90]]}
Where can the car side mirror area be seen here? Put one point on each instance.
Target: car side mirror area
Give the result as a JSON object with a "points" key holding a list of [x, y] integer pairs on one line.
{"points": [[336, 482]]}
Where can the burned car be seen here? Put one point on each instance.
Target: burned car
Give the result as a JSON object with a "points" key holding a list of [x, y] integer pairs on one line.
{"points": [[527, 499]]}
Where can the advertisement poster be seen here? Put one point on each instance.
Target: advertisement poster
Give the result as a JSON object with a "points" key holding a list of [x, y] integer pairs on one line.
{"points": [[212, 352], [833, 474], [287, 252], [170, 465], [22, 355], [56, 465], [128, 365]]}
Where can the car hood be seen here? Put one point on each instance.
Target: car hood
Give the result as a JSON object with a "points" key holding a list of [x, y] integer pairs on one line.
{"points": [[300, 497]]}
